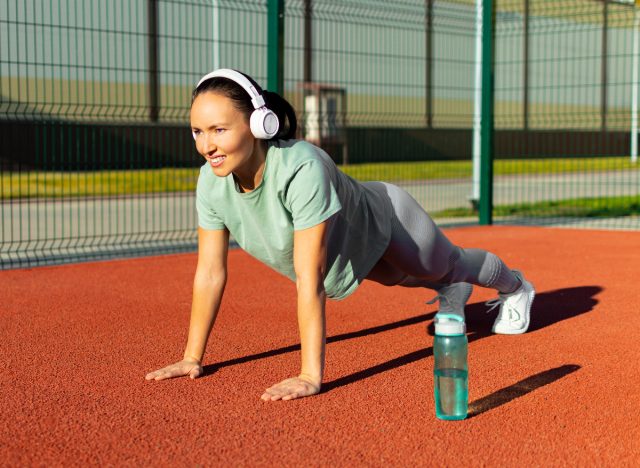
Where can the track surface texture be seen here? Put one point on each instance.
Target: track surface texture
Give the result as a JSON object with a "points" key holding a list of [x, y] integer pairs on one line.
{"points": [[77, 340]]}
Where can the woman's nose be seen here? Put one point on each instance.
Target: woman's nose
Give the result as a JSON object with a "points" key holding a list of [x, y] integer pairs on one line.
{"points": [[209, 143]]}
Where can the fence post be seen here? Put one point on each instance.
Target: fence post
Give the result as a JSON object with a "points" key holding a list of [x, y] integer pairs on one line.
{"points": [[486, 124], [275, 46], [634, 83], [429, 57], [604, 58], [307, 72], [527, 47], [152, 40]]}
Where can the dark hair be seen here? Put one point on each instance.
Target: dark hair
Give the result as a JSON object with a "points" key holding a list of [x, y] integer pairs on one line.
{"points": [[242, 101]]}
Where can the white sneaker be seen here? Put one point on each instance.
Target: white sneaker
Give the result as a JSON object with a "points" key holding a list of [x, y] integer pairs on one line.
{"points": [[453, 298], [515, 308]]}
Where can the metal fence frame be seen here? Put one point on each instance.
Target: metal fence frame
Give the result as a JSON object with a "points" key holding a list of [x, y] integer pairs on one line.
{"points": [[107, 126]]}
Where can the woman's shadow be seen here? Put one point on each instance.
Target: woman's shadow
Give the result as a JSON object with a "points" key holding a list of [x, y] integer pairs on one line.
{"points": [[549, 307]]}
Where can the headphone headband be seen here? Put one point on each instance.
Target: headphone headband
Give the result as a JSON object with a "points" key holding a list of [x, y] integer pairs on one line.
{"points": [[256, 98]]}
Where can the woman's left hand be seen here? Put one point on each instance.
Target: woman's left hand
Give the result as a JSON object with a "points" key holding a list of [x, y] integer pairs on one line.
{"points": [[295, 387]]}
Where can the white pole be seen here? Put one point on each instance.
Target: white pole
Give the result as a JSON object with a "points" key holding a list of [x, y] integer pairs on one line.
{"points": [[216, 35], [477, 105], [634, 89]]}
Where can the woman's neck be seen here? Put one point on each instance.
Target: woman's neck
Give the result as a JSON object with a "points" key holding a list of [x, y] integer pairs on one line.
{"points": [[251, 174]]}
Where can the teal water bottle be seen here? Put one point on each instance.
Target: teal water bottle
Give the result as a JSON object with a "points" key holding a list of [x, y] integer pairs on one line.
{"points": [[451, 388]]}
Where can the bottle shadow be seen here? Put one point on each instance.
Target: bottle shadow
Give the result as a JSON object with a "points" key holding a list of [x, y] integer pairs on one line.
{"points": [[518, 389], [564, 304]]}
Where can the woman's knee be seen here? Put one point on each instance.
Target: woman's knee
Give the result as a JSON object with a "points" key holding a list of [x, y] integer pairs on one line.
{"points": [[446, 268], [386, 274]]}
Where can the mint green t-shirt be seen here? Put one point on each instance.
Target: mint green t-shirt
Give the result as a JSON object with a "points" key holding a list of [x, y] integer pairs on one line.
{"points": [[300, 188]]}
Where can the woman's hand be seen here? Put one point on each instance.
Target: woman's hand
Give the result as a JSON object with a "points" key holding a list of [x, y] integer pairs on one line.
{"points": [[295, 387], [185, 367]]}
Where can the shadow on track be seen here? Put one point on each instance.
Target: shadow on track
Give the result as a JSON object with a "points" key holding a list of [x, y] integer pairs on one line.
{"points": [[562, 304], [519, 389], [211, 368], [549, 307]]}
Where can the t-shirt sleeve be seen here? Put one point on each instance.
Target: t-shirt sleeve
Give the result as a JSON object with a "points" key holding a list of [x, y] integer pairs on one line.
{"points": [[207, 216], [311, 196]]}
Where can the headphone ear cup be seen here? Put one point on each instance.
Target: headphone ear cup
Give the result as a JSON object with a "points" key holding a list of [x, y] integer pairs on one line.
{"points": [[264, 123]]}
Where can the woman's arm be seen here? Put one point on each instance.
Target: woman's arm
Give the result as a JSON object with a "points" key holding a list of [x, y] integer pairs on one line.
{"points": [[208, 288], [309, 260]]}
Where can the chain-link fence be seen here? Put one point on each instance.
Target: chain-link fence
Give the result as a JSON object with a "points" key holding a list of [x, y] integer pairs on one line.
{"points": [[96, 157], [564, 96]]}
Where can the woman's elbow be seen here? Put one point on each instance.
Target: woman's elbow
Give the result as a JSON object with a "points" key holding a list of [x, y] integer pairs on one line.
{"points": [[311, 284], [210, 278]]}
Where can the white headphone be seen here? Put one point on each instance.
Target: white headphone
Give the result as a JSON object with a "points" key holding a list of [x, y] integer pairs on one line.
{"points": [[263, 122]]}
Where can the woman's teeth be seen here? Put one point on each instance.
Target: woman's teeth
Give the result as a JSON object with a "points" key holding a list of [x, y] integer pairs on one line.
{"points": [[217, 160]]}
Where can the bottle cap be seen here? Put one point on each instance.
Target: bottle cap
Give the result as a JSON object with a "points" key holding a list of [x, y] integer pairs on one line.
{"points": [[449, 325]]}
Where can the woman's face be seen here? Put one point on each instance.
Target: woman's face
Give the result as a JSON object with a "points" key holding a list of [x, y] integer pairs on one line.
{"points": [[222, 134]]}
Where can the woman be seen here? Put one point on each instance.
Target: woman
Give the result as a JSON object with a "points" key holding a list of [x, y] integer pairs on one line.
{"points": [[287, 204]]}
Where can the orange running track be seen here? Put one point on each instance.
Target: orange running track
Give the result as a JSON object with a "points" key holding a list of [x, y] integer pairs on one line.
{"points": [[77, 340]]}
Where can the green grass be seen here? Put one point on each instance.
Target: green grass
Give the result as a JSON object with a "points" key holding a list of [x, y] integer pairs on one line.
{"points": [[601, 207], [460, 169], [96, 183], [427, 170], [104, 183]]}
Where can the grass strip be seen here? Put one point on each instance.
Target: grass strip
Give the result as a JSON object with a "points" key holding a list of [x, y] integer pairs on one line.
{"points": [[97, 183], [602, 207], [430, 170], [130, 182]]}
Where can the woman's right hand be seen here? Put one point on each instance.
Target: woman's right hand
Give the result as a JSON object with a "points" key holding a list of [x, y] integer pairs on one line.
{"points": [[188, 367]]}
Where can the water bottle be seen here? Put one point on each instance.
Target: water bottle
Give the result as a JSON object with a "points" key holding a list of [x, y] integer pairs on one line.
{"points": [[450, 369]]}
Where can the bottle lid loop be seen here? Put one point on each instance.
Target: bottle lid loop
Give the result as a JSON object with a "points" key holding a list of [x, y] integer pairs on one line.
{"points": [[450, 324]]}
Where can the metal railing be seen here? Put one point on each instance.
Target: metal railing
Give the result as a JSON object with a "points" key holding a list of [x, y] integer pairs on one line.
{"points": [[96, 158]]}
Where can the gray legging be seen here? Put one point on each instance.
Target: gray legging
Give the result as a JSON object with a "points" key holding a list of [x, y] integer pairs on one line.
{"points": [[420, 255]]}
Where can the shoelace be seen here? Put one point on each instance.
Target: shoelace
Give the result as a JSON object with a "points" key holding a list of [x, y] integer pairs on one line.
{"points": [[439, 297], [494, 303], [499, 301]]}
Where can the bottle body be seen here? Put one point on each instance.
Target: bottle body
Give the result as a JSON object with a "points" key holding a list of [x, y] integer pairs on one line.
{"points": [[451, 387]]}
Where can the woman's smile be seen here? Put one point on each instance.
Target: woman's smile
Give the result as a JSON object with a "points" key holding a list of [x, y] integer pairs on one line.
{"points": [[216, 160]]}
